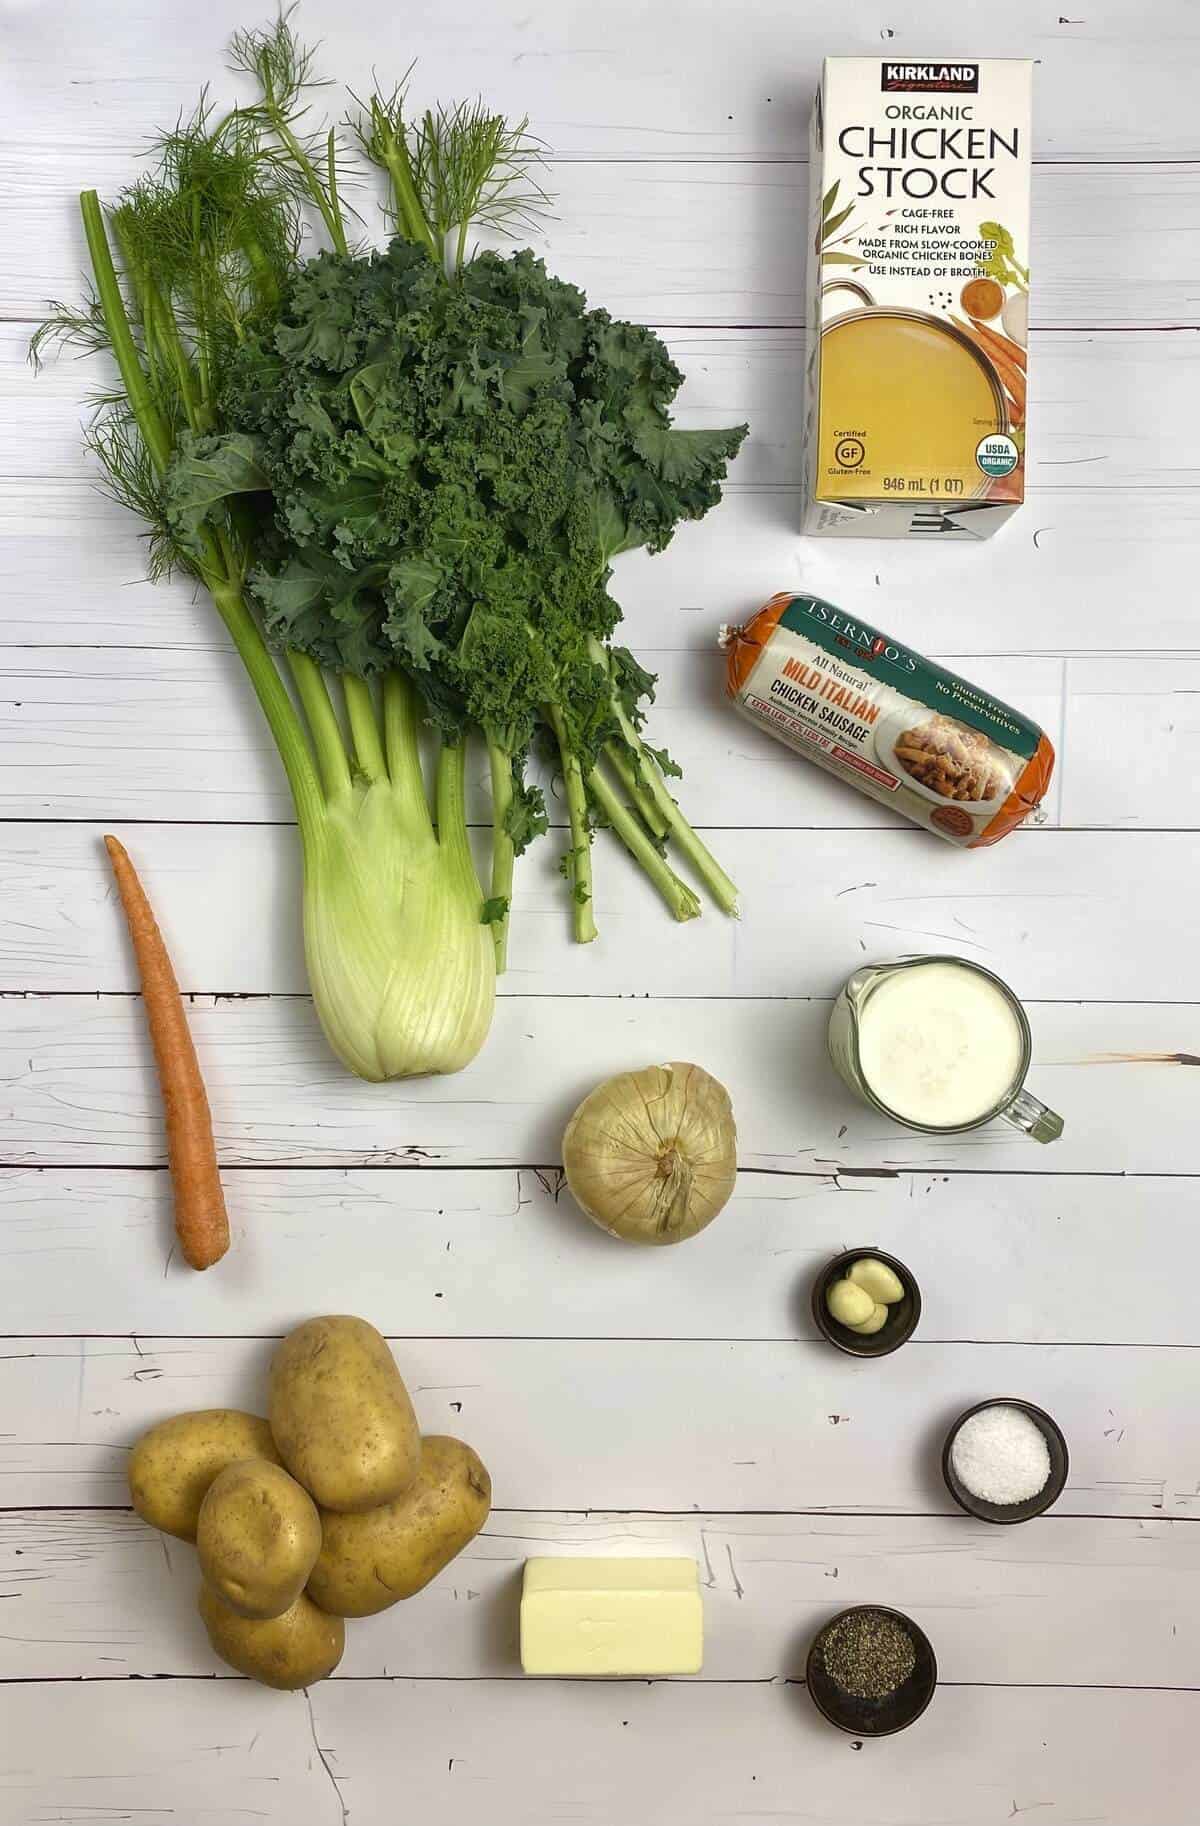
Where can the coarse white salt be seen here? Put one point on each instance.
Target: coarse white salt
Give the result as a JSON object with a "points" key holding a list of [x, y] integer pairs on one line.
{"points": [[1000, 1455]]}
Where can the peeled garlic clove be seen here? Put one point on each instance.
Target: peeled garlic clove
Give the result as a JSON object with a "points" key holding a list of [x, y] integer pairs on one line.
{"points": [[880, 1281], [848, 1304], [651, 1156], [876, 1322]]}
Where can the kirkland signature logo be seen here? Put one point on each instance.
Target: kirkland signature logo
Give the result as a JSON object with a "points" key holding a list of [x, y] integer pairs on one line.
{"points": [[942, 78]]}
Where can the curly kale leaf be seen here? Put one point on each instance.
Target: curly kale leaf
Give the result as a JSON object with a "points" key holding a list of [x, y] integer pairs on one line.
{"points": [[204, 475], [315, 604], [525, 817], [632, 681], [454, 464]]}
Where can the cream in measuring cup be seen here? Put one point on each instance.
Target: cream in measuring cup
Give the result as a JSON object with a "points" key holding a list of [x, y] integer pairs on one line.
{"points": [[938, 1044]]}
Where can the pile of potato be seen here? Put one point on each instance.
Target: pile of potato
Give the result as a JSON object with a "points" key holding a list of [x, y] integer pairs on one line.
{"points": [[334, 1507]]}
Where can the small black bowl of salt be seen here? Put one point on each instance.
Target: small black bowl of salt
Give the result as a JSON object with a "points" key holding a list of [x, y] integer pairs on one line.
{"points": [[871, 1671], [1005, 1460]]}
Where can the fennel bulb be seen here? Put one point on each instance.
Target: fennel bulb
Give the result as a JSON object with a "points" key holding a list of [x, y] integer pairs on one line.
{"points": [[402, 969]]}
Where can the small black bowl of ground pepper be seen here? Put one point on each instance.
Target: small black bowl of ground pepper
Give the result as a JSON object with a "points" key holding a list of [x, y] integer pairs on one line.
{"points": [[871, 1671]]}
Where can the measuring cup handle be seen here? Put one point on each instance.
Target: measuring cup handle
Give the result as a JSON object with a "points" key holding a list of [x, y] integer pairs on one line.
{"points": [[1027, 1113], [849, 285]]}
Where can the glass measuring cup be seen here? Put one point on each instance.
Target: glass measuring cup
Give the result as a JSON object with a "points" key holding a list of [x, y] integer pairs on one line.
{"points": [[1016, 1105]]}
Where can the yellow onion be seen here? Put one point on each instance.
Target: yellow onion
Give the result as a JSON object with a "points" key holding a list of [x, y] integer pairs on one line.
{"points": [[651, 1156]]}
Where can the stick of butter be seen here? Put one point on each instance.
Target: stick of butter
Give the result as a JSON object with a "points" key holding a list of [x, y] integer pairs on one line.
{"points": [[611, 1616]]}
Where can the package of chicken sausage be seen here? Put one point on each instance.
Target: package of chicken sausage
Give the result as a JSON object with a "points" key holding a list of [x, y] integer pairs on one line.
{"points": [[902, 730]]}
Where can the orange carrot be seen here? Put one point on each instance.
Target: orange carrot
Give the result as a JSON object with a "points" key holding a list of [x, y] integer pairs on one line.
{"points": [[201, 1223], [1007, 357], [996, 350], [1001, 345]]}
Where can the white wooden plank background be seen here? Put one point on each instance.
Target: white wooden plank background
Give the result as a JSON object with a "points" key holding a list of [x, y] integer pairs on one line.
{"points": [[355, 1750], [784, 1424], [678, 1402], [81, 1087], [469, 1251], [99, 1595], [71, 564]]}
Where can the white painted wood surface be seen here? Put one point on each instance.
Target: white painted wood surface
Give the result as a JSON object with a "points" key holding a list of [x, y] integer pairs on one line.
{"points": [[685, 1396], [784, 1424], [668, 1752], [470, 1251], [81, 1087], [102, 1594]]}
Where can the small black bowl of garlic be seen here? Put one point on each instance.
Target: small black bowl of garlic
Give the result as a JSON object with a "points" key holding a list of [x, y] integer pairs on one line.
{"points": [[866, 1302]]}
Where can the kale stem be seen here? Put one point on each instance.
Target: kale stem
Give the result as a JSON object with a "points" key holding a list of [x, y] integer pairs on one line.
{"points": [[627, 773], [503, 853], [579, 860], [155, 433], [683, 903], [364, 727], [722, 889], [325, 728]]}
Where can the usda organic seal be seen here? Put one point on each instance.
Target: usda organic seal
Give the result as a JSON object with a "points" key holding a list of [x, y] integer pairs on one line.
{"points": [[996, 455]]}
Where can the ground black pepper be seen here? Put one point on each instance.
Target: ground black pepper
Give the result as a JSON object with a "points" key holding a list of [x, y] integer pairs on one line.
{"points": [[868, 1654]]}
